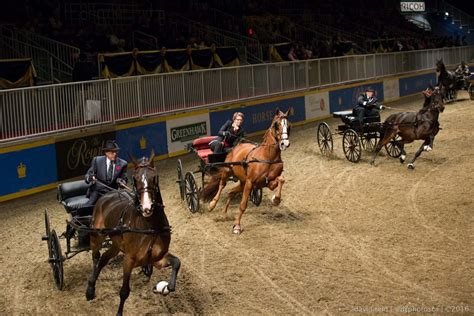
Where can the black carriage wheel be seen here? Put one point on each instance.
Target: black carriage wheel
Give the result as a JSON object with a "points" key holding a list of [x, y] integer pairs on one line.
{"points": [[180, 180], [370, 141], [325, 142], [191, 190], [455, 94], [256, 196], [393, 147], [56, 260], [351, 145], [47, 237], [147, 270]]}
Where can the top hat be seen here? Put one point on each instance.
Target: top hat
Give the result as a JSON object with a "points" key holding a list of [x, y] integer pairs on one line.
{"points": [[111, 145]]}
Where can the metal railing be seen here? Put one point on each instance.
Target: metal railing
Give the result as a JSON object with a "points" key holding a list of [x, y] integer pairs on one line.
{"points": [[66, 53], [247, 47], [34, 111]]}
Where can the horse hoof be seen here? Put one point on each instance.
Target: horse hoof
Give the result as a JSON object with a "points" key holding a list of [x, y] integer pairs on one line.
{"points": [[162, 288], [236, 229], [275, 200], [427, 148], [402, 158], [90, 294], [411, 166]]}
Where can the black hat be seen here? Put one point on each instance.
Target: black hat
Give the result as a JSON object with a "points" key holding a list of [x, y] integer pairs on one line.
{"points": [[369, 89], [111, 145]]}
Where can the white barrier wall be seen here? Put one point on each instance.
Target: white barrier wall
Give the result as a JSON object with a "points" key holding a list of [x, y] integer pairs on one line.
{"points": [[316, 105], [391, 89]]}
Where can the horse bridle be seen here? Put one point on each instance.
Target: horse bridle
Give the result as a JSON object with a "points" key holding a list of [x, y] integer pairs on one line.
{"points": [[153, 190]]}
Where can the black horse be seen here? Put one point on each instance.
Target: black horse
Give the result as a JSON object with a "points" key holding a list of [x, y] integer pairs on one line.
{"points": [[411, 126], [448, 80]]}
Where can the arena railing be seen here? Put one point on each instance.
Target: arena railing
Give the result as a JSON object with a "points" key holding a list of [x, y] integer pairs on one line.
{"points": [[35, 111]]}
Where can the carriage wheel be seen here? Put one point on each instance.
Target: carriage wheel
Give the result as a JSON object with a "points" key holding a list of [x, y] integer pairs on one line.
{"points": [[180, 180], [56, 260], [147, 270], [470, 90], [393, 147], [47, 226], [256, 196], [454, 95], [325, 139], [191, 191], [351, 145], [370, 141]]}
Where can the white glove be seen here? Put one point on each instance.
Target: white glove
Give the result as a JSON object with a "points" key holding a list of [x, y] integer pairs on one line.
{"points": [[364, 103]]}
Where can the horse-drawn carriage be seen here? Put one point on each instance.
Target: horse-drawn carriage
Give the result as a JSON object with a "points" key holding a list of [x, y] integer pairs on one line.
{"points": [[470, 88], [208, 164], [72, 195], [355, 136]]}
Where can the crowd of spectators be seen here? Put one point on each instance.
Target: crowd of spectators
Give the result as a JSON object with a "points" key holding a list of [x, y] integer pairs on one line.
{"points": [[372, 30]]}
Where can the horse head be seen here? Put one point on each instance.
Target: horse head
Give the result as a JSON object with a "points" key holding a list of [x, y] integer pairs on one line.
{"points": [[281, 128], [436, 99], [440, 65], [145, 184]]}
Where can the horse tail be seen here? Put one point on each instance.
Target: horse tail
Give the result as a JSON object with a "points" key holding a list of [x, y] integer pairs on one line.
{"points": [[210, 189]]}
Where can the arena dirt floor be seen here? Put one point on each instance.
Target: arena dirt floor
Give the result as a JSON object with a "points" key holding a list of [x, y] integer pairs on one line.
{"points": [[347, 238]]}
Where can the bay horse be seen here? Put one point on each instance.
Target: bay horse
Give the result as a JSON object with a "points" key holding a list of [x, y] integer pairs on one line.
{"points": [[137, 226], [446, 79], [410, 126], [254, 166]]}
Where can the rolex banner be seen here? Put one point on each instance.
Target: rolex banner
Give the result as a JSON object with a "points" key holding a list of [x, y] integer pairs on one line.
{"points": [[74, 156], [16, 73]]}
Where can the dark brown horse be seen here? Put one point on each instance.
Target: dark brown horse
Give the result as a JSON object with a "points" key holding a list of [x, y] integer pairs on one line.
{"points": [[446, 79], [412, 126], [255, 166], [137, 225]]}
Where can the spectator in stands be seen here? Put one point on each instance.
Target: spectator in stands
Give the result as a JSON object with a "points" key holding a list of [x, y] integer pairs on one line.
{"points": [[292, 54], [229, 134], [83, 70]]}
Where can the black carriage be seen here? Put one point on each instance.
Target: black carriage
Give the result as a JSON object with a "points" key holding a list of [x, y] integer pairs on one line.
{"points": [[208, 163], [73, 196], [470, 88], [355, 136]]}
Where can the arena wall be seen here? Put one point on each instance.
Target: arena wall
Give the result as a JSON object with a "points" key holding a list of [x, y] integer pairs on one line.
{"points": [[41, 165]]}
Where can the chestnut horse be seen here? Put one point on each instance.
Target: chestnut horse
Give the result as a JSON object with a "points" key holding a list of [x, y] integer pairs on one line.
{"points": [[411, 126], [255, 166], [137, 226]]}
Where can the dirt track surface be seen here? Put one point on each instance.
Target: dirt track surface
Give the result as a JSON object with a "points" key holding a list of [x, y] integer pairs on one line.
{"points": [[346, 238]]}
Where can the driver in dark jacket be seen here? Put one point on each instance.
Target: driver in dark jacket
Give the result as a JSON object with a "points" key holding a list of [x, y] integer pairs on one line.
{"points": [[367, 105], [229, 134]]}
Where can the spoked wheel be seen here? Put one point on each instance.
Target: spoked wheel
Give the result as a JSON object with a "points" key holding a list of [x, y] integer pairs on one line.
{"points": [[147, 270], [256, 196], [351, 145], [370, 141], [47, 226], [325, 139], [393, 147], [454, 95], [191, 191], [56, 260], [180, 180]]}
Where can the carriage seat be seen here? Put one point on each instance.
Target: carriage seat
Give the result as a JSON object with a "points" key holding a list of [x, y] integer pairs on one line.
{"points": [[73, 195], [201, 146]]}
